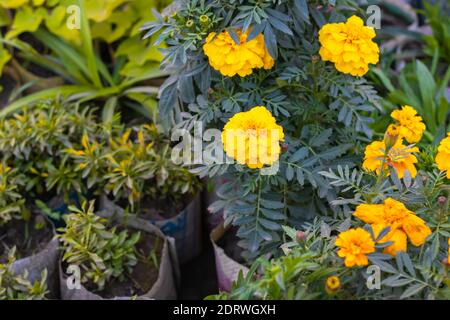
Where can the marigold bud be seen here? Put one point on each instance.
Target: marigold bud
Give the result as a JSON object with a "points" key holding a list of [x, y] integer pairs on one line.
{"points": [[442, 200], [301, 236], [204, 19], [333, 284], [391, 136], [189, 23]]}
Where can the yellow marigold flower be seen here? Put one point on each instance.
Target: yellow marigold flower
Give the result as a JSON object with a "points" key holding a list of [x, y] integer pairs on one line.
{"points": [[399, 157], [333, 284], [403, 224], [443, 155], [354, 245], [252, 138], [349, 46], [230, 58], [411, 125]]}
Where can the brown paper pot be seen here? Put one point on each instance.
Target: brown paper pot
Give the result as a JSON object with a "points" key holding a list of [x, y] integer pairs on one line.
{"points": [[164, 287], [185, 228], [35, 264], [227, 269]]}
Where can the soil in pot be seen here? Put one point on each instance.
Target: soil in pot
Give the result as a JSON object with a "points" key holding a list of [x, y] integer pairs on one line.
{"points": [[161, 209], [229, 243], [181, 221], [25, 236], [144, 274]]}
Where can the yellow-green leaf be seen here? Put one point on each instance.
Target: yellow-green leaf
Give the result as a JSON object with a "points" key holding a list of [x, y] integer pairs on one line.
{"points": [[26, 20], [115, 27], [56, 24], [5, 56], [138, 51], [132, 70], [4, 18], [13, 4], [100, 10], [38, 2]]}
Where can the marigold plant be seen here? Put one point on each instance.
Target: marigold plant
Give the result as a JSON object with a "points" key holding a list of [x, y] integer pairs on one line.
{"points": [[226, 58], [396, 211]]}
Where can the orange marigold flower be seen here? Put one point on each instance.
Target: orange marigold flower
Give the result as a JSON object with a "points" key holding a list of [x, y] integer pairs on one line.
{"points": [[402, 222], [355, 245], [349, 46], [230, 58], [399, 157]]}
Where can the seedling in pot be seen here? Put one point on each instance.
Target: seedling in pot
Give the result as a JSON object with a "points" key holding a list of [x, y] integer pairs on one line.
{"points": [[113, 260], [20, 226], [137, 172], [17, 287]]}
